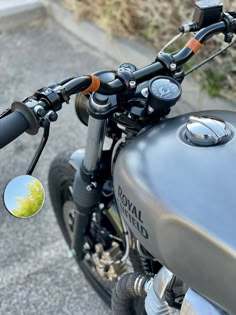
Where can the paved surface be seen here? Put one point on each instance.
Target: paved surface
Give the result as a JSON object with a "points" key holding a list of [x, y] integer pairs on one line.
{"points": [[15, 13], [36, 275]]}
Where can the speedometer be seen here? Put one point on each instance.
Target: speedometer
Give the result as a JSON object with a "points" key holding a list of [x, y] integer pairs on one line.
{"points": [[164, 92]]}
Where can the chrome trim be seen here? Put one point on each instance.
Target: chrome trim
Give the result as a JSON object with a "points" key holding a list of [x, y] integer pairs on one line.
{"points": [[195, 304], [155, 302], [99, 107], [95, 141], [138, 285], [207, 131], [161, 282], [114, 152]]}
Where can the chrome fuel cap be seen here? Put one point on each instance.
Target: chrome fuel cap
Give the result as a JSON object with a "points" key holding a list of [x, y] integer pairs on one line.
{"points": [[207, 131]]}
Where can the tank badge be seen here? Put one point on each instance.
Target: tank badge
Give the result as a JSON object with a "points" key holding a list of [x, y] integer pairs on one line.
{"points": [[131, 213], [207, 131]]}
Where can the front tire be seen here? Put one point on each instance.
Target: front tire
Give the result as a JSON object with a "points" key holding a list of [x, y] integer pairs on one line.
{"points": [[60, 180]]}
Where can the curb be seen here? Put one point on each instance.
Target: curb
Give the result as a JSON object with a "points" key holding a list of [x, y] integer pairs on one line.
{"points": [[15, 13], [121, 50]]}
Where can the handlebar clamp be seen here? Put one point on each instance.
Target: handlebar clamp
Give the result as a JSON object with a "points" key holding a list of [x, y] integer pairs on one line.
{"points": [[168, 62], [127, 77]]}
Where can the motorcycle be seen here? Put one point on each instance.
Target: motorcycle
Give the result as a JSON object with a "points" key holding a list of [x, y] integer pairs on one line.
{"points": [[143, 215]]}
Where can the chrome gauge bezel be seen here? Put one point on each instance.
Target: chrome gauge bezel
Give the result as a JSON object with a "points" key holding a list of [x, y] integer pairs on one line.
{"points": [[158, 101]]}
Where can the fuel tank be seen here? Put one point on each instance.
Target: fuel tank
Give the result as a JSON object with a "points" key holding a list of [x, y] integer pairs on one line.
{"points": [[175, 185]]}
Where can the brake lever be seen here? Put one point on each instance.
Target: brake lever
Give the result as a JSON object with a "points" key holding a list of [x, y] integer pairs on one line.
{"points": [[39, 151]]}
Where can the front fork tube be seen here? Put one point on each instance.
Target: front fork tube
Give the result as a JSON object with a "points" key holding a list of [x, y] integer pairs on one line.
{"points": [[95, 141], [86, 194]]}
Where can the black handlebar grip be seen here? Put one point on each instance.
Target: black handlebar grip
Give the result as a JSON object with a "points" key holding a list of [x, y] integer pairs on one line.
{"points": [[11, 127]]}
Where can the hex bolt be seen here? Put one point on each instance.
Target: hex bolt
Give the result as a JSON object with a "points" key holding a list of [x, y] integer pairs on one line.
{"points": [[173, 66], [132, 84], [86, 246], [101, 206], [91, 186], [145, 92], [150, 110]]}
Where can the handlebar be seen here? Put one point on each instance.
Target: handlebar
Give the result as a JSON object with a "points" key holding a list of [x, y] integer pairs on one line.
{"points": [[11, 127], [77, 85], [14, 124], [180, 58]]}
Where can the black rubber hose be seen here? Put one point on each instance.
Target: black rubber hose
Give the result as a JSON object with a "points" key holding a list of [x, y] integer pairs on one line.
{"points": [[124, 293], [11, 127]]}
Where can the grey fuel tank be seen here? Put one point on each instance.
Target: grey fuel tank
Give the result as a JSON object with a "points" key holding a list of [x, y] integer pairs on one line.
{"points": [[175, 186]]}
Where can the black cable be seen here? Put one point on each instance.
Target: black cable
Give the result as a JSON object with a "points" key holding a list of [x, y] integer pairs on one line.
{"points": [[210, 58]]}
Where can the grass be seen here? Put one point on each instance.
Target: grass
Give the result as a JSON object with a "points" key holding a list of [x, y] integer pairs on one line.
{"points": [[157, 21], [212, 82]]}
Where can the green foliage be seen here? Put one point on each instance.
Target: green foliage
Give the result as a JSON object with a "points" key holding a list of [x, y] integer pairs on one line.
{"points": [[149, 31], [32, 203], [212, 81], [157, 22]]}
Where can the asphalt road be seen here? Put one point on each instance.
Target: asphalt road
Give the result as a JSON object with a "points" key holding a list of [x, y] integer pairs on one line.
{"points": [[36, 274]]}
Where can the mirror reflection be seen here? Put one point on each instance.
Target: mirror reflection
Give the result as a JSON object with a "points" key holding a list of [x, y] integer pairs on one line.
{"points": [[24, 196]]}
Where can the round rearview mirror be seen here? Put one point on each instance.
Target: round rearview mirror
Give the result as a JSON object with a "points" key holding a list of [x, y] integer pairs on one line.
{"points": [[24, 196]]}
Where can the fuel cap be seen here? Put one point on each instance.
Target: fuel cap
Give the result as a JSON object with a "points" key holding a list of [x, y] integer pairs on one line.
{"points": [[207, 131]]}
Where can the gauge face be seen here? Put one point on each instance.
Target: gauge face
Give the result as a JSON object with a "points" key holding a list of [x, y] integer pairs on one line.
{"points": [[128, 67], [165, 89]]}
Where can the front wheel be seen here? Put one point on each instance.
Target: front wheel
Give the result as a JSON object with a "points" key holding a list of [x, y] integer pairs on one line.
{"points": [[100, 243]]}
